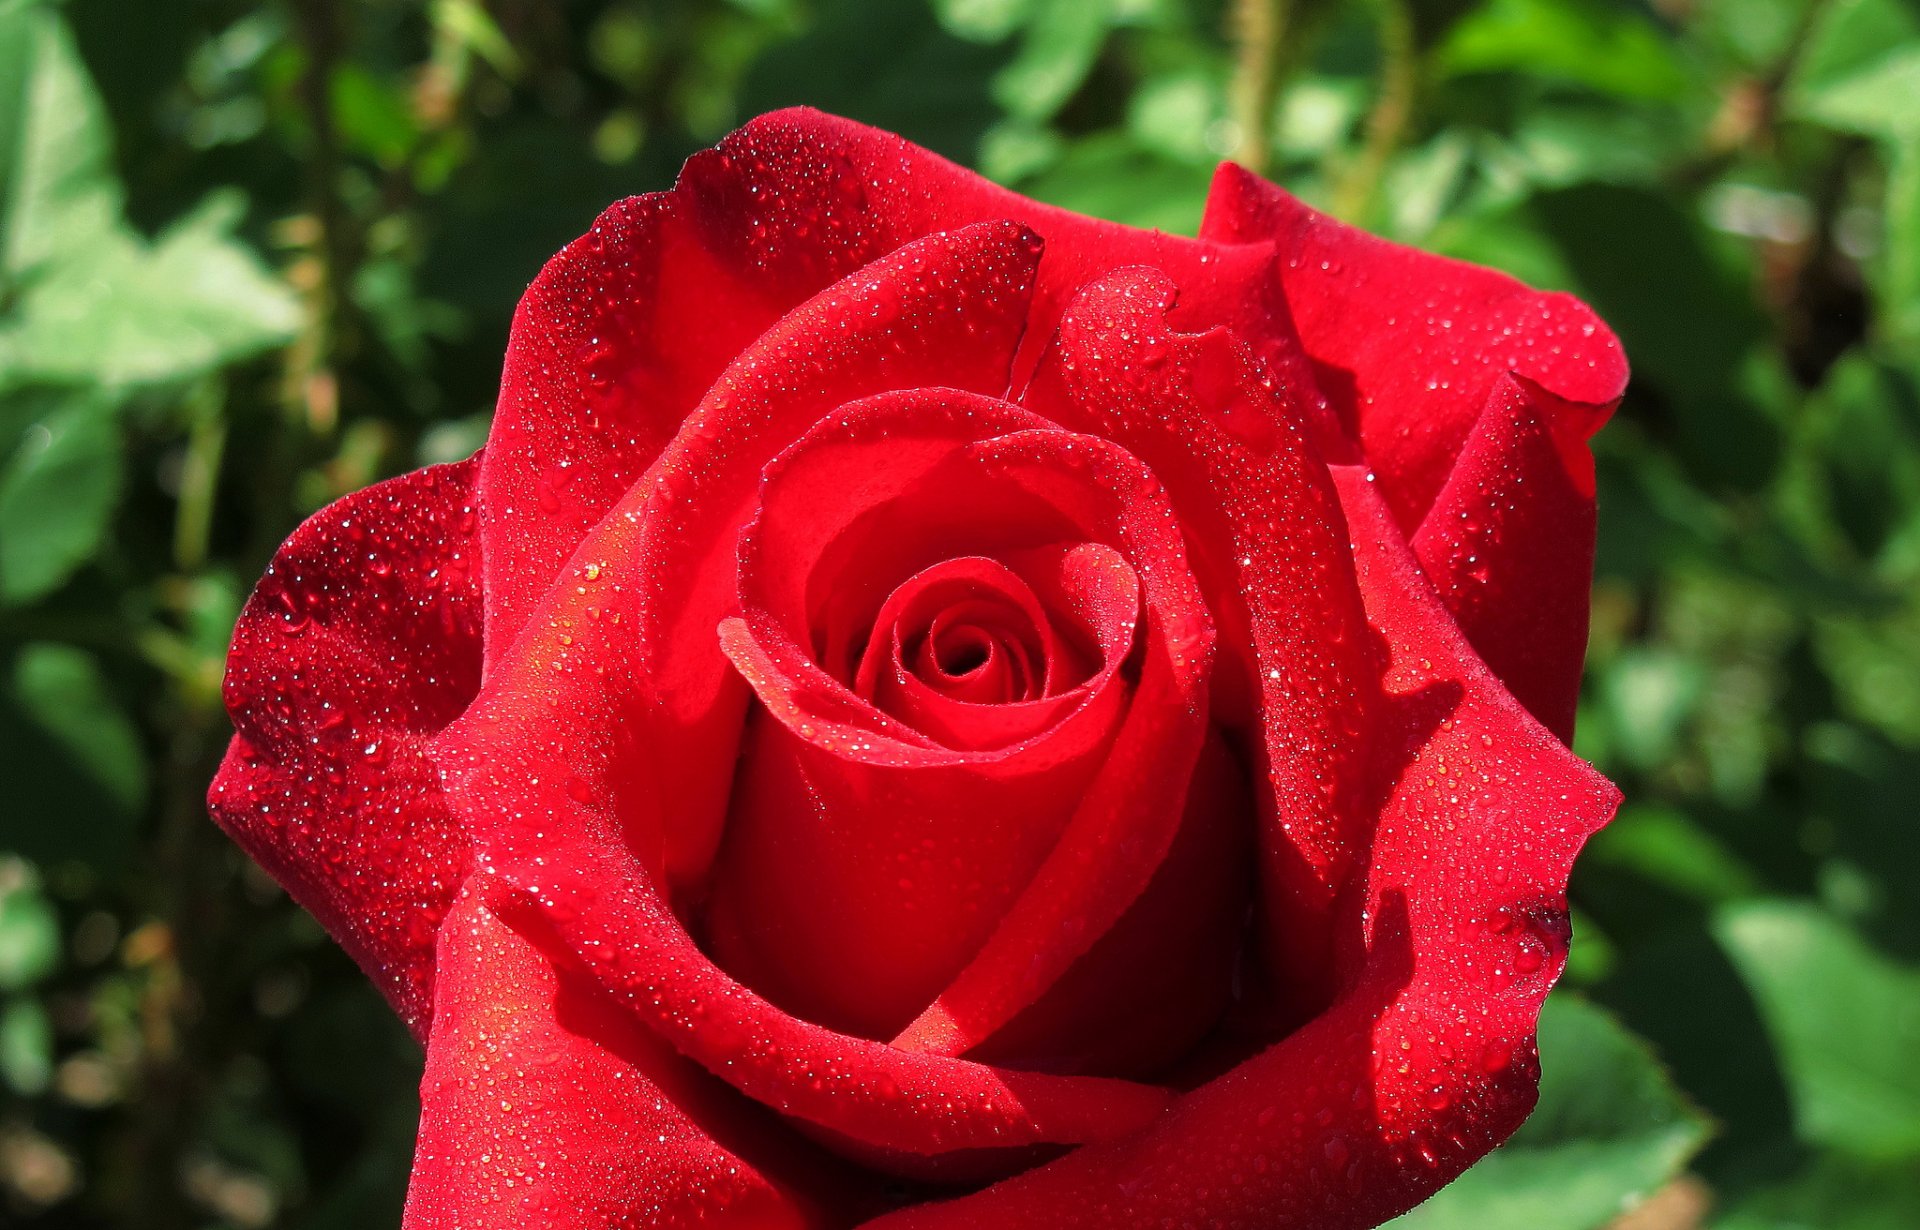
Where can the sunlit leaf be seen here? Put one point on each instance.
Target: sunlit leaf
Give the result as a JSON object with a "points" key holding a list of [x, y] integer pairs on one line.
{"points": [[58, 193], [29, 928], [124, 312], [26, 1045], [1613, 48], [1844, 1020]]}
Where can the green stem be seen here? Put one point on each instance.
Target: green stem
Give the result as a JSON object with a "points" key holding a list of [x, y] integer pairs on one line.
{"points": [[1392, 114], [1260, 36], [200, 477]]}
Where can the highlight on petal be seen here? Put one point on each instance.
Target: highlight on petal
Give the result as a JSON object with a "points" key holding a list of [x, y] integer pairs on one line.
{"points": [[360, 643]]}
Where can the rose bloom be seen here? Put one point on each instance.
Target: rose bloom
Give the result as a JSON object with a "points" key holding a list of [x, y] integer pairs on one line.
{"points": [[935, 711]]}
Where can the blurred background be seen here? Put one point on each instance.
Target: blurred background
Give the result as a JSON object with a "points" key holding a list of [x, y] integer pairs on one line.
{"points": [[255, 254]]}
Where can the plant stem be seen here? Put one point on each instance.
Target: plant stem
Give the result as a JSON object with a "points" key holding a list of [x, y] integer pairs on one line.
{"points": [[1260, 35], [1387, 123], [200, 477]]}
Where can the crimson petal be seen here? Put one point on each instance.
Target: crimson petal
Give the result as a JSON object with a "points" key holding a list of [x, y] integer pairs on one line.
{"points": [[360, 643], [1408, 345], [1427, 1060], [1228, 439], [1509, 540], [583, 740], [625, 329], [545, 1105]]}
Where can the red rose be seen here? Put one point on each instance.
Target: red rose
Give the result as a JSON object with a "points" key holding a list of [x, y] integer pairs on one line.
{"points": [[936, 709]]}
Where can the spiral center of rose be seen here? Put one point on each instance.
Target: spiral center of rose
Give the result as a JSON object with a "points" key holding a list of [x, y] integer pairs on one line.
{"points": [[968, 631]]}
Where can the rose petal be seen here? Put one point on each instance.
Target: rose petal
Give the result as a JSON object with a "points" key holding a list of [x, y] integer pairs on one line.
{"points": [[545, 1105], [1128, 820], [1408, 345], [836, 817], [584, 740], [1270, 548], [1509, 540], [361, 642], [601, 907], [1427, 1060], [624, 331], [1162, 976], [866, 860], [626, 651]]}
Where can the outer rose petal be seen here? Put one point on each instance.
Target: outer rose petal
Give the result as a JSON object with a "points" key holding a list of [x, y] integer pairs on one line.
{"points": [[1408, 345], [544, 1106], [361, 642], [1509, 540], [624, 331], [1427, 1060]]}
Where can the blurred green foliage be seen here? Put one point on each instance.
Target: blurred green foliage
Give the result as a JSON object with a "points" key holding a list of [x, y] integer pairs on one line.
{"points": [[258, 253]]}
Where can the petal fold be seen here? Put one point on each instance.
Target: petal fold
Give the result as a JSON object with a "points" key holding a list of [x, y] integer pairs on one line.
{"points": [[1406, 345], [360, 643], [544, 1105]]}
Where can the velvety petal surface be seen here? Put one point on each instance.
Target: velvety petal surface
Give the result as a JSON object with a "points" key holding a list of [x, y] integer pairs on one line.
{"points": [[623, 332], [868, 857], [1407, 346], [1426, 1060], [607, 738], [545, 1105], [360, 643], [1508, 542], [1228, 439]]}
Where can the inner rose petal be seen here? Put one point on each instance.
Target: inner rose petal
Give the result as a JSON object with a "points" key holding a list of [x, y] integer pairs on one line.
{"points": [[926, 748], [974, 655]]}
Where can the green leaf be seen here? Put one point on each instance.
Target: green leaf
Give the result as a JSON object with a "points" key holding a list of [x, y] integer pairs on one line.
{"points": [[58, 192], [62, 691], [128, 313], [1844, 1020], [29, 929], [57, 495], [1606, 47], [1662, 845], [1108, 176], [470, 26], [1055, 55], [1878, 100], [1610, 1130], [1831, 1192], [982, 21], [1858, 70], [1897, 273]]}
